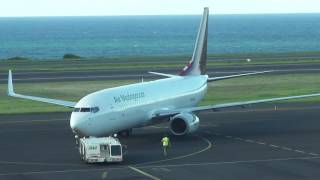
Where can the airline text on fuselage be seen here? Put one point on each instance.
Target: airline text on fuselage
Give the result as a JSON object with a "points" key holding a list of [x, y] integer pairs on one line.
{"points": [[128, 97]]}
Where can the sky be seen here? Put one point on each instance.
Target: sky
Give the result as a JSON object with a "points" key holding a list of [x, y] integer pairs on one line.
{"points": [[15, 8]]}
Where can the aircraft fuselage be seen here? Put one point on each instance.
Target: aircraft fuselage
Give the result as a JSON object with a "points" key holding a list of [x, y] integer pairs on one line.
{"points": [[130, 106]]}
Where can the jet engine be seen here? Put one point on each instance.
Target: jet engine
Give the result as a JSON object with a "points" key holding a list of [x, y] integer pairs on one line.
{"points": [[184, 123]]}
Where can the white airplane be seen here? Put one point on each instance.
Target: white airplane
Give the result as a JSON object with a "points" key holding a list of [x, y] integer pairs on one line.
{"points": [[172, 99]]}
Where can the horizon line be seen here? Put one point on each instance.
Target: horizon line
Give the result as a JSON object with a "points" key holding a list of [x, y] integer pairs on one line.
{"points": [[213, 14]]}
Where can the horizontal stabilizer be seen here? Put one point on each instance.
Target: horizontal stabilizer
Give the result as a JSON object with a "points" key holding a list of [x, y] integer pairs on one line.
{"points": [[237, 75], [162, 74]]}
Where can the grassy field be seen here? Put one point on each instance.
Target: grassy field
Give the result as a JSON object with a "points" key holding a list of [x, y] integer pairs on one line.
{"points": [[239, 89]]}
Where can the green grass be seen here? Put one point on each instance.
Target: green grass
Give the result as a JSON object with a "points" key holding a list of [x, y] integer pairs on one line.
{"points": [[71, 91], [238, 89], [263, 86]]}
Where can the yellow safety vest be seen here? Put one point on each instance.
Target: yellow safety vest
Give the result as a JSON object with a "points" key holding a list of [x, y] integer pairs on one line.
{"points": [[165, 141]]}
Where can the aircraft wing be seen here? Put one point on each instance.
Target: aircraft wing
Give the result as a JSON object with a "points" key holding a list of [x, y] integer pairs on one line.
{"points": [[40, 99], [169, 113], [237, 75]]}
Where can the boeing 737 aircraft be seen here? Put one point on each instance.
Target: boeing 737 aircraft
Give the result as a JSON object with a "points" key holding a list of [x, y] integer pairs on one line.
{"points": [[172, 99]]}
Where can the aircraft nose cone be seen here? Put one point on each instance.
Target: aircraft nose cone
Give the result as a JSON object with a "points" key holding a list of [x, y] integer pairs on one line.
{"points": [[74, 123], [77, 124]]}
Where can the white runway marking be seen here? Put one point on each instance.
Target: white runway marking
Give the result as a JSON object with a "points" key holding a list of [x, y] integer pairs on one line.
{"points": [[298, 151], [144, 173], [274, 146], [165, 169], [286, 148], [266, 144], [250, 141], [314, 154], [169, 165], [239, 139], [234, 162], [209, 146], [261, 143]]}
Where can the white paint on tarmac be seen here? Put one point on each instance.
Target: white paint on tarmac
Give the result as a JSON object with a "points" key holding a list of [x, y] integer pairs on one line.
{"points": [[270, 145], [168, 165], [209, 146], [233, 162], [144, 173]]}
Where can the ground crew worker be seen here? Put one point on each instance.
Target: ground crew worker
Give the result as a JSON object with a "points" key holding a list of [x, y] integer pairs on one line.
{"points": [[165, 144]]}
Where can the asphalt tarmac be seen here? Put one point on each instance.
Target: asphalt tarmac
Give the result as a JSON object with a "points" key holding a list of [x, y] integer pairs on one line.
{"points": [[253, 143]]}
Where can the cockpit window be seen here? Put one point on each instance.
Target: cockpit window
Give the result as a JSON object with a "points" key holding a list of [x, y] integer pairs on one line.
{"points": [[85, 110], [93, 109], [76, 110]]}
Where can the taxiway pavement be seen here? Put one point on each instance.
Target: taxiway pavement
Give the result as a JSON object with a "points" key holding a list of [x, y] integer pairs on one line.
{"points": [[254, 143]]}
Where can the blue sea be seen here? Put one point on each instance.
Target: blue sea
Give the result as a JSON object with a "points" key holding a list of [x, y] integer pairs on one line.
{"points": [[52, 37]]}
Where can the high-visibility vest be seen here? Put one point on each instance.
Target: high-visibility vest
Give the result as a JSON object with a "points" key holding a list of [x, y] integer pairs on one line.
{"points": [[165, 141]]}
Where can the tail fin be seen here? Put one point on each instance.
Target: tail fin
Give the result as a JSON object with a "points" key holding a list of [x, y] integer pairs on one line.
{"points": [[197, 65]]}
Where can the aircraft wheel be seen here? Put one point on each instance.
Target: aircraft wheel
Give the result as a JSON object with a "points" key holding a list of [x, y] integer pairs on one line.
{"points": [[125, 133]]}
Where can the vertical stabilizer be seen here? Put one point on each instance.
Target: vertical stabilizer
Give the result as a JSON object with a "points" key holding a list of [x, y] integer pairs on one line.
{"points": [[197, 65]]}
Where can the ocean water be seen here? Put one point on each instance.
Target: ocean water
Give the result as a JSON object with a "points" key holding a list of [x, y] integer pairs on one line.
{"points": [[52, 37]]}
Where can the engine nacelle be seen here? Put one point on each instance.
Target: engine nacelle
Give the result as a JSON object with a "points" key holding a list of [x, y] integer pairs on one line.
{"points": [[184, 123]]}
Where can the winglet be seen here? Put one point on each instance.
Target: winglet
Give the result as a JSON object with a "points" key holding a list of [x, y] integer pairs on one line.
{"points": [[10, 85]]}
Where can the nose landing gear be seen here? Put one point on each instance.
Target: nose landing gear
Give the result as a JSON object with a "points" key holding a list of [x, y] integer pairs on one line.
{"points": [[125, 133]]}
